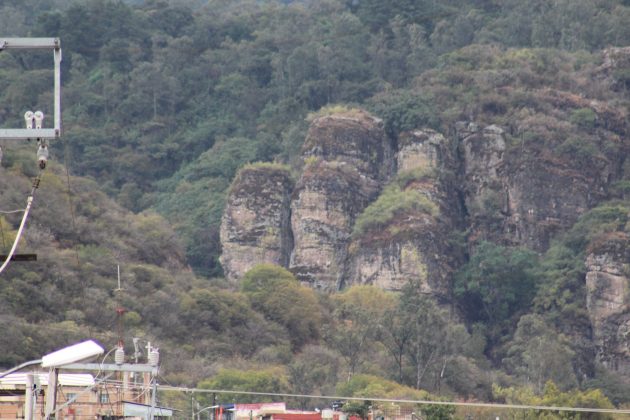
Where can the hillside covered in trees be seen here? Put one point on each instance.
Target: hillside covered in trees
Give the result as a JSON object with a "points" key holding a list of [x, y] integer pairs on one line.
{"points": [[171, 106]]}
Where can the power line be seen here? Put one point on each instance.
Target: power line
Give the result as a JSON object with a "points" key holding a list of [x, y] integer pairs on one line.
{"points": [[70, 201], [4, 245], [388, 400]]}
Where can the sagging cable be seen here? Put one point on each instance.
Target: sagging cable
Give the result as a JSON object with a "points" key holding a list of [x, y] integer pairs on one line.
{"points": [[29, 202], [19, 234]]}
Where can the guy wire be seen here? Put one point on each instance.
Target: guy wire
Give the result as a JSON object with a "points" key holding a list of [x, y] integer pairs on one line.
{"points": [[4, 244], [70, 201]]}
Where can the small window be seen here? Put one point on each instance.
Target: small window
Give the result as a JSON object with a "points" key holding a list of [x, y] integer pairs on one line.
{"points": [[104, 399], [70, 396]]}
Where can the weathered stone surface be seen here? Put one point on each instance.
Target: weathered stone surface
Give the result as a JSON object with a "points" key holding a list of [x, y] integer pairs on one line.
{"points": [[404, 251], [521, 197], [420, 149], [518, 185], [355, 138], [614, 59], [482, 152], [345, 161], [255, 226], [412, 246], [608, 301], [546, 196]]}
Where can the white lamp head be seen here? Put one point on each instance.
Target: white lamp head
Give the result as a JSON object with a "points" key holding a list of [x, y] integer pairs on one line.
{"points": [[72, 354]]}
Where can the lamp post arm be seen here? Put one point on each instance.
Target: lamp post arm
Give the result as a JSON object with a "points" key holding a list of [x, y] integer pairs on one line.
{"points": [[22, 366], [203, 409]]}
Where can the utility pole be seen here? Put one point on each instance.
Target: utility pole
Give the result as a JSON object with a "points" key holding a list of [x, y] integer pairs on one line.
{"points": [[153, 398], [35, 129], [30, 393], [38, 132], [154, 356], [51, 394]]}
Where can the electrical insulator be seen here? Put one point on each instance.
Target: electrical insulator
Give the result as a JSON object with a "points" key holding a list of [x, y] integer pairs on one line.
{"points": [[42, 155], [38, 116], [119, 356], [29, 118], [154, 357]]}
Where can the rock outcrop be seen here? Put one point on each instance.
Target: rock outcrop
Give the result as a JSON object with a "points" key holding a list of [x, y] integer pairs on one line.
{"points": [[255, 226], [482, 157], [345, 156], [370, 209], [615, 62], [523, 198], [412, 245], [608, 301]]}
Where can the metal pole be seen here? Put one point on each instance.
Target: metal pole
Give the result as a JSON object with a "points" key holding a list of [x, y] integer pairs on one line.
{"points": [[29, 400], [153, 398], [51, 394], [22, 366], [57, 55]]}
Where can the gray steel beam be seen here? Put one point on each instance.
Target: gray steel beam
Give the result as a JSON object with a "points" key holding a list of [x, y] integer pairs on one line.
{"points": [[57, 94], [25, 133], [29, 43], [34, 44], [108, 367]]}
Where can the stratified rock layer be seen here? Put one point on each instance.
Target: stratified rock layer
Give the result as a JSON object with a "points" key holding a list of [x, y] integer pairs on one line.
{"points": [[517, 186], [608, 301], [255, 226], [519, 197], [412, 246], [345, 160]]}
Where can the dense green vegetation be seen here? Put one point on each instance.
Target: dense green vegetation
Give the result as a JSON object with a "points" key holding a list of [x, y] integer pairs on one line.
{"points": [[176, 87], [393, 202], [496, 286], [165, 100]]}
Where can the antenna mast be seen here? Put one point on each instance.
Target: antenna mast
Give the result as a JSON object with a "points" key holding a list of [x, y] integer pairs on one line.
{"points": [[119, 355]]}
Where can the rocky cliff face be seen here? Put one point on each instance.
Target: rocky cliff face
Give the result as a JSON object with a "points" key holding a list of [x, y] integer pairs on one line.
{"points": [[615, 62], [327, 199], [348, 160], [345, 164], [369, 209], [255, 226], [413, 244], [524, 197], [475, 180], [608, 301]]}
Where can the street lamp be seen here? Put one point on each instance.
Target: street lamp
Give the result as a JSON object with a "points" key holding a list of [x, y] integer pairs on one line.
{"points": [[202, 410], [55, 360], [72, 354], [67, 355]]}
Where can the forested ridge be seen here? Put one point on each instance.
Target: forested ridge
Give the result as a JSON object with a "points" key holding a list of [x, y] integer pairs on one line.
{"points": [[164, 101]]}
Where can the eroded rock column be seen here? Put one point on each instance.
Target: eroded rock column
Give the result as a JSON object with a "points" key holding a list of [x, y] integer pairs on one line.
{"points": [[608, 301], [412, 246], [256, 223], [345, 160]]}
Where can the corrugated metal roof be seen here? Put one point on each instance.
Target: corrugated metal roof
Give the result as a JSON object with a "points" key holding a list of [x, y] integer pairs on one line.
{"points": [[143, 410], [65, 379]]}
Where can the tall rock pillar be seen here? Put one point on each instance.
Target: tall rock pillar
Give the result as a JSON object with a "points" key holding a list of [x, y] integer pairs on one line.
{"points": [[255, 226], [346, 157]]}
